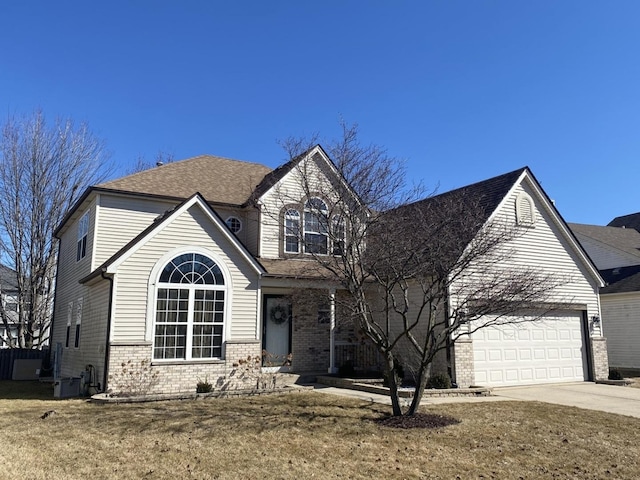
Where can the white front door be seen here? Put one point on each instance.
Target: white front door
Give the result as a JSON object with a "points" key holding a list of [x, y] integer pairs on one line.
{"points": [[277, 331], [545, 351]]}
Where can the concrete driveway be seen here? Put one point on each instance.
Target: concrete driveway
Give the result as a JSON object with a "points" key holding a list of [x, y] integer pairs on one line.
{"points": [[606, 398]]}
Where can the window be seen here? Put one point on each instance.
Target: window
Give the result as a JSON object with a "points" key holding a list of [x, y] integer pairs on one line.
{"points": [[83, 231], [338, 235], [292, 231], [69, 317], [234, 224], [525, 210], [315, 226], [190, 309], [76, 341]]}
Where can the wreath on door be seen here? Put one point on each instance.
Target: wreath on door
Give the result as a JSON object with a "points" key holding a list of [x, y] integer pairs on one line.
{"points": [[279, 314]]}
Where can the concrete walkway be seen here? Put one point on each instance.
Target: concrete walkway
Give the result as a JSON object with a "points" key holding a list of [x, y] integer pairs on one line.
{"points": [[606, 398]]}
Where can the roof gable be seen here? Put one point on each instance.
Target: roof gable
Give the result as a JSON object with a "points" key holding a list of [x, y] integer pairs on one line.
{"points": [[217, 179], [491, 195], [111, 265]]}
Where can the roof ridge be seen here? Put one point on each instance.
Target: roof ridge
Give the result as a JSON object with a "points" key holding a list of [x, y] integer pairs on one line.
{"points": [[181, 162]]}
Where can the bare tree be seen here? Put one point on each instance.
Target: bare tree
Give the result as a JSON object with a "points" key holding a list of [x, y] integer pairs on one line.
{"points": [[420, 274], [43, 170], [142, 163]]}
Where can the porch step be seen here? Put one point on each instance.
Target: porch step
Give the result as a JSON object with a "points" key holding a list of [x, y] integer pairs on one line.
{"points": [[302, 378]]}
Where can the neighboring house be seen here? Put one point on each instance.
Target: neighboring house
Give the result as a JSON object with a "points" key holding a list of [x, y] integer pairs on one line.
{"points": [[9, 299], [616, 253], [627, 221], [196, 264]]}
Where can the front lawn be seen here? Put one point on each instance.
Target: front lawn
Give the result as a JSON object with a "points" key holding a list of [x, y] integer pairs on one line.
{"points": [[306, 435]]}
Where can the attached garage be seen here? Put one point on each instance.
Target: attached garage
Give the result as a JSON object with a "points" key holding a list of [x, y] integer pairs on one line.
{"points": [[549, 350]]}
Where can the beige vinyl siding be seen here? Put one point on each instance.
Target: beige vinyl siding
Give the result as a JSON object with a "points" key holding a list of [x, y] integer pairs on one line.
{"points": [[69, 272], [545, 246], [621, 319], [93, 332], [252, 230], [605, 256], [194, 228], [287, 192], [120, 219]]}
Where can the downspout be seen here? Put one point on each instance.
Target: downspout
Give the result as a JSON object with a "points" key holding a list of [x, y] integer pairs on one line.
{"points": [[106, 343], [332, 331]]}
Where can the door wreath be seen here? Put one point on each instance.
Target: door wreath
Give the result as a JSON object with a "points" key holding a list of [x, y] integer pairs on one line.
{"points": [[279, 314]]}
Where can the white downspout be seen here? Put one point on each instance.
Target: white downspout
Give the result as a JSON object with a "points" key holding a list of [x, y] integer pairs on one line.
{"points": [[332, 331]]}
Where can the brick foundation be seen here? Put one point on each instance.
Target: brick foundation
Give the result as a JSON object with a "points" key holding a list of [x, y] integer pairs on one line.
{"points": [[175, 377], [463, 367], [600, 358]]}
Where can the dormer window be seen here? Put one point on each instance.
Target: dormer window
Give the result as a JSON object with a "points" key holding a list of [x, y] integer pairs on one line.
{"points": [[316, 238], [292, 231], [525, 210]]}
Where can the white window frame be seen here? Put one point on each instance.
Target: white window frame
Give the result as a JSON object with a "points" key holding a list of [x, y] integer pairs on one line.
{"points": [[339, 235], [319, 215], [191, 300], [76, 336], [68, 331], [83, 234], [230, 221], [291, 231]]}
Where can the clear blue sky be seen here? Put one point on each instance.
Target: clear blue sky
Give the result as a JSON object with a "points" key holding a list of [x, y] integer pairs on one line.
{"points": [[463, 90]]}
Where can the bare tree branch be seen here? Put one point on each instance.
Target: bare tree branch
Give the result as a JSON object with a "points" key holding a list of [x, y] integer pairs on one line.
{"points": [[43, 170]]}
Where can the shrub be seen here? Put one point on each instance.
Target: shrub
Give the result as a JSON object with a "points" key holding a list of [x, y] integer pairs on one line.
{"points": [[439, 380], [614, 374], [133, 379], [203, 386]]}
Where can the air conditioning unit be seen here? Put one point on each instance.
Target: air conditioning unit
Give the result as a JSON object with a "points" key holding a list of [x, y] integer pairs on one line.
{"points": [[66, 387]]}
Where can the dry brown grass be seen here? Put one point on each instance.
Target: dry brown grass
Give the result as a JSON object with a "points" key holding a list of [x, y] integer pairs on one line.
{"points": [[307, 435]]}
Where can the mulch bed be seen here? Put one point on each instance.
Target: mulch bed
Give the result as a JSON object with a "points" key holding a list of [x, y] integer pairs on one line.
{"points": [[418, 420]]}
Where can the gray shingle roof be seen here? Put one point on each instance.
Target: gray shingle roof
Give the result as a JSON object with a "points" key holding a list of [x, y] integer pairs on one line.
{"points": [[628, 221], [218, 179], [624, 239], [8, 279], [621, 280]]}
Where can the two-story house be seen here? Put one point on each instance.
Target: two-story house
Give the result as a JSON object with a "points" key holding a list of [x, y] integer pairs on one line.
{"points": [[196, 264]]}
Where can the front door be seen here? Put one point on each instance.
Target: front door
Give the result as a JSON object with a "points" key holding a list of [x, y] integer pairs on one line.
{"points": [[276, 339]]}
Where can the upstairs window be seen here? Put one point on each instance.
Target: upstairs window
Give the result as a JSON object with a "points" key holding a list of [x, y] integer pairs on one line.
{"points": [[315, 227], [190, 309], [292, 231], [338, 235], [83, 231]]}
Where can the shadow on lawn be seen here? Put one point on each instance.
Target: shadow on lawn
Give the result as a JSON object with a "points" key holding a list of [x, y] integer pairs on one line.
{"points": [[25, 390]]}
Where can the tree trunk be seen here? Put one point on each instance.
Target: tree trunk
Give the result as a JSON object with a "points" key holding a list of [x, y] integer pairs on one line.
{"points": [[393, 385], [417, 396]]}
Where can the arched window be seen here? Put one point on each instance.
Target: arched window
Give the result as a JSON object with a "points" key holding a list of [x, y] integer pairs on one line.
{"points": [[315, 226], [190, 309], [292, 231]]}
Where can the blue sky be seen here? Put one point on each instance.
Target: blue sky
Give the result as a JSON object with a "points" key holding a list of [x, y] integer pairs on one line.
{"points": [[463, 90]]}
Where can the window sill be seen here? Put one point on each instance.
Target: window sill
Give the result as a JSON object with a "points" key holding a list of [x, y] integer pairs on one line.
{"points": [[208, 361]]}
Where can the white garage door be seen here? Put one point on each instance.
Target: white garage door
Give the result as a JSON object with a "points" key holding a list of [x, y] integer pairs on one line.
{"points": [[544, 351]]}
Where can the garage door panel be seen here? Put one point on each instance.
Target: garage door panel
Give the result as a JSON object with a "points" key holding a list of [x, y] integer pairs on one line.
{"points": [[530, 352]]}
